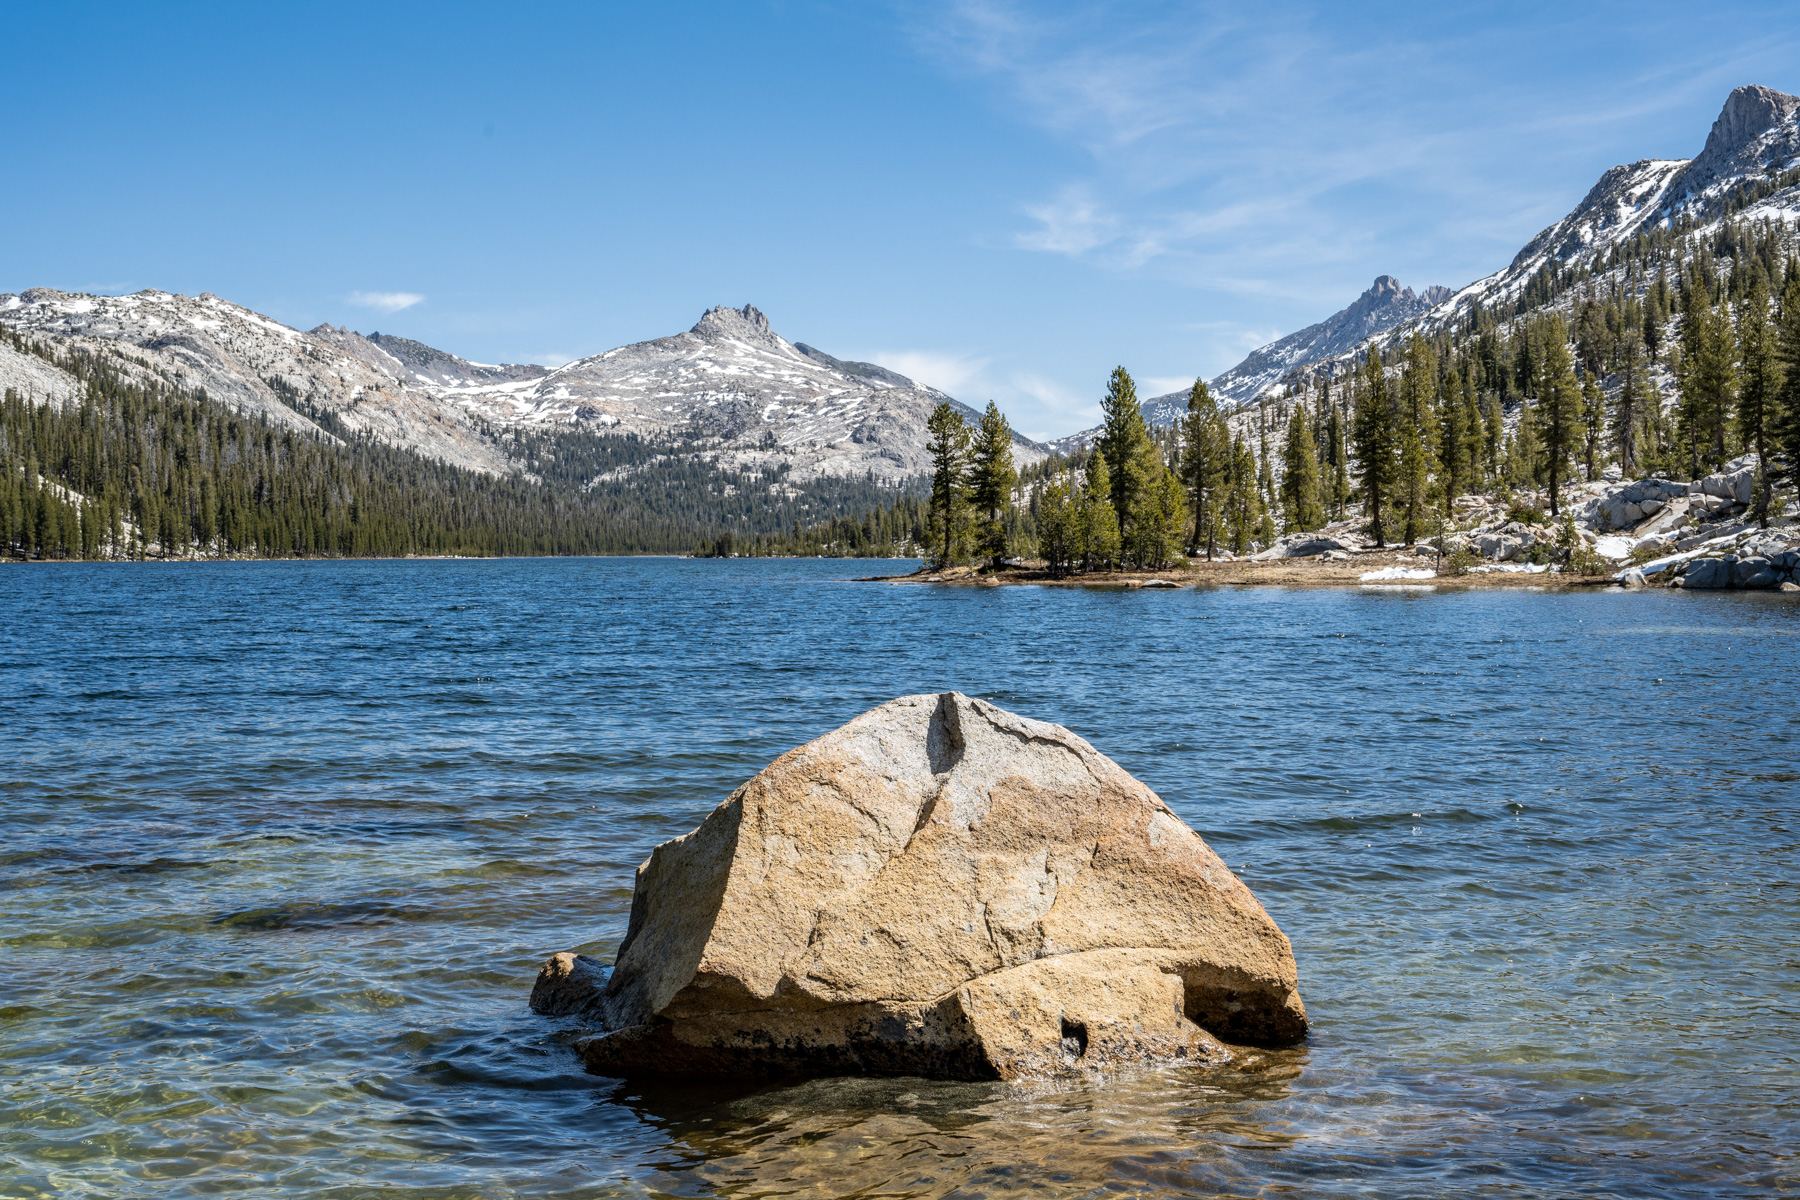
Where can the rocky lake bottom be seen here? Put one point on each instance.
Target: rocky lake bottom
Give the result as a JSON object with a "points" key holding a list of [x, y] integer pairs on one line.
{"points": [[286, 842]]}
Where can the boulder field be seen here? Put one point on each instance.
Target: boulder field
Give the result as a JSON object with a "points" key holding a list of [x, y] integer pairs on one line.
{"points": [[937, 888]]}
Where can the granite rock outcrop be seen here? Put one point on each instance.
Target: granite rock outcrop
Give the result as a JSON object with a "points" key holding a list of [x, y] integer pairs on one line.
{"points": [[940, 888]]}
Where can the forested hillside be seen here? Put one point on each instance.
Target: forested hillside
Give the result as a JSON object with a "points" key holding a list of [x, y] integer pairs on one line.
{"points": [[135, 470]]}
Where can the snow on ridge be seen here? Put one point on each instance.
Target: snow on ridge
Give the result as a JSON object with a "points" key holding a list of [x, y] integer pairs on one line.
{"points": [[1757, 134]]}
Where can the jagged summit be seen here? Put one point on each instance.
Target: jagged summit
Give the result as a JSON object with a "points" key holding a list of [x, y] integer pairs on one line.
{"points": [[721, 321], [1384, 305], [1752, 145], [1749, 112], [1757, 131]]}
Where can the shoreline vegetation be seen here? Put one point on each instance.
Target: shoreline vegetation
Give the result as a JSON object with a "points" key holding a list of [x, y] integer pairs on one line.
{"points": [[144, 468], [1639, 413], [1541, 442]]}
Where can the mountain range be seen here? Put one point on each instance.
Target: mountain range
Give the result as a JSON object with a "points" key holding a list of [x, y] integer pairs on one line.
{"points": [[736, 397], [730, 388], [1752, 144]]}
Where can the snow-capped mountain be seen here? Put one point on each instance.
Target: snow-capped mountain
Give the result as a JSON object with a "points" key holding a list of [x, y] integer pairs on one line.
{"points": [[257, 365], [751, 398], [1755, 138], [734, 382], [1385, 305]]}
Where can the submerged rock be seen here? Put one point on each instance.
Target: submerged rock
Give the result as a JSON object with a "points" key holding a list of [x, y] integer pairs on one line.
{"points": [[938, 888]]}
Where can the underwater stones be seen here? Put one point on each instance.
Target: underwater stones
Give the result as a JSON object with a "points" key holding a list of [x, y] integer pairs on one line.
{"points": [[942, 888]]}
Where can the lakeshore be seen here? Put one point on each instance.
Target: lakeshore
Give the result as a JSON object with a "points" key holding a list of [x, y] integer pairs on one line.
{"points": [[1244, 572]]}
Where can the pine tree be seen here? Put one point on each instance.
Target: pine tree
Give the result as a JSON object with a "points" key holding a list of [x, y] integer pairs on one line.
{"points": [[1124, 441], [1523, 454], [1158, 521], [992, 483], [1761, 386], [1205, 451], [1593, 423], [1629, 411], [1558, 410], [1708, 381], [1454, 442], [1099, 521], [1374, 434], [1265, 472], [1337, 440], [1416, 426], [1301, 508], [949, 450], [1131, 455], [1784, 418], [1058, 532], [1244, 513]]}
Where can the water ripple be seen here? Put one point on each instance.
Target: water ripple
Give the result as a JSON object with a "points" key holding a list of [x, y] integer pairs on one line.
{"points": [[286, 841]]}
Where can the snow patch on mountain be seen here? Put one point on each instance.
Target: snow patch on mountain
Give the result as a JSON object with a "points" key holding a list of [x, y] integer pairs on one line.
{"points": [[1383, 306], [730, 385], [1755, 139]]}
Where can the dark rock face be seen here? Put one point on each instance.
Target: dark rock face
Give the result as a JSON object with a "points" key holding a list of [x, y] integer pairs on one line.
{"points": [[1755, 572]]}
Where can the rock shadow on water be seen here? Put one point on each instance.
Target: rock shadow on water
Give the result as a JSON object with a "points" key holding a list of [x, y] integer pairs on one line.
{"points": [[1145, 1132]]}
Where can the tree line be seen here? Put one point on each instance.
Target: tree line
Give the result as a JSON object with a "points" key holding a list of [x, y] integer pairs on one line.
{"points": [[136, 470], [1520, 397]]}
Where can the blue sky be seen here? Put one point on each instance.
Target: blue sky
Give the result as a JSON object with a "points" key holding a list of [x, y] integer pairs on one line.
{"points": [[1004, 200]]}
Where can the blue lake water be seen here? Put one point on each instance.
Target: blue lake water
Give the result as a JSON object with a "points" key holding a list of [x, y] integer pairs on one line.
{"points": [[284, 844]]}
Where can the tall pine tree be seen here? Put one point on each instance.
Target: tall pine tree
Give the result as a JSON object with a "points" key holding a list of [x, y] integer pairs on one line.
{"points": [[1301, 508], [1372, 427], [1205, 460], [949, 450], [991, 484]]}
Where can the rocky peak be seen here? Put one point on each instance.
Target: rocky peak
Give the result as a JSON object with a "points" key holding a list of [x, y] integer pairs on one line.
{"points": [[1749, 113], [1384, 290], [1757, 130], [1384, 293], [745, 322]]}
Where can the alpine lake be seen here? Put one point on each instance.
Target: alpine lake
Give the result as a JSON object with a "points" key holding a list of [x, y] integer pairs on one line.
{"points": [[285, 843]]}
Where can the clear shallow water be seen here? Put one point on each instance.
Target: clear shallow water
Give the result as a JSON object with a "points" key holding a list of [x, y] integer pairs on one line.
{"points": [[284, 844]]}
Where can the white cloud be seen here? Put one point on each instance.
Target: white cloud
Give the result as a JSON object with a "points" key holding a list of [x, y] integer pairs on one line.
{"points": [[1050, 399], [1286, 148], [976, 380], [952, 373], [387, 302], [1073, 223]]}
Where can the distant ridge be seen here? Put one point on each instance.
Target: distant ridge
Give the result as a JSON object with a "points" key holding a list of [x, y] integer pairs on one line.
{"points": [[730, 387], [1383, 306], [1752, 149]]}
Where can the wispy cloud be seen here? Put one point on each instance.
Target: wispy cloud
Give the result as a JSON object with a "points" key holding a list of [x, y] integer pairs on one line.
{"points": [[387, 302], [952, 373], [1290, 148], [1073, 223], [975, 380]]}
